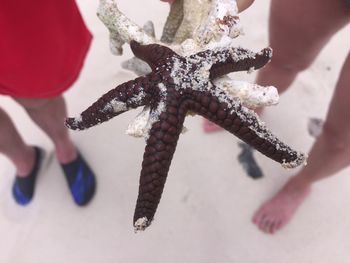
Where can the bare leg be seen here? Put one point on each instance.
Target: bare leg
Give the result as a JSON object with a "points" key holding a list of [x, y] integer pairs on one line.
{"points": [[49, 115], [298, 31], [296, 43], [13, 147], [329, 155]]}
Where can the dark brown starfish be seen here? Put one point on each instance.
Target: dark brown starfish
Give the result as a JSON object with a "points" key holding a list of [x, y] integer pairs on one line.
{"points": [[176, 86]]}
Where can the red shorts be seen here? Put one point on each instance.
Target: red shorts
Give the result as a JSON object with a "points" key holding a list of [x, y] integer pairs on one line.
{"points": [[43, 44]]}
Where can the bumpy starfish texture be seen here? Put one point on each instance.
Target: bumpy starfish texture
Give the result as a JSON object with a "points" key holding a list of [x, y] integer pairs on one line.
{"points": [[176, 86]]}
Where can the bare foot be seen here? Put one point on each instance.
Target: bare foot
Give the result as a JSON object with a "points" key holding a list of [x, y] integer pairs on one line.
{"points": [[209, 127], [276, 213]]}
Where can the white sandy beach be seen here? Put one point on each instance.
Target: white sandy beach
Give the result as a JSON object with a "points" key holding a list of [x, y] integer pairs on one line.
{"points": [[206, 208]]}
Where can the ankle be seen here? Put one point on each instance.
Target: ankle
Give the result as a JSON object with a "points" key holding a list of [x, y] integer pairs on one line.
{"points": [[25, 166], [66, 152], [298, 184]]}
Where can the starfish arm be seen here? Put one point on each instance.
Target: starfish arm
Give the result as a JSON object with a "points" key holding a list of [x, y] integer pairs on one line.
{"points": [[245, 124], [159, 152], [155, 55], [128, 95], [232, 59]]}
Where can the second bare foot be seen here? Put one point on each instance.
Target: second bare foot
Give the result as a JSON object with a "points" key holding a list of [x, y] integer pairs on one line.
{"points": [[276, 213]]}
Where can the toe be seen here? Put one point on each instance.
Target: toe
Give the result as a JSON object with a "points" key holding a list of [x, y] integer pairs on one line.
{"points": [[262, 221], [259, 214], [279, 225], [272, 226], [265, 225]]}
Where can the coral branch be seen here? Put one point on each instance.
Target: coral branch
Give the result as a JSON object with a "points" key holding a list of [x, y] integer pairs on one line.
{"points": [[122, 29], [173, 22], [251, 95], [221, 21]]}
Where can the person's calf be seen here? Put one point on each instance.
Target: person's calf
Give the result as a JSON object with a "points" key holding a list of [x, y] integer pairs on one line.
{"points": [[49, 115], [13, 146]]}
